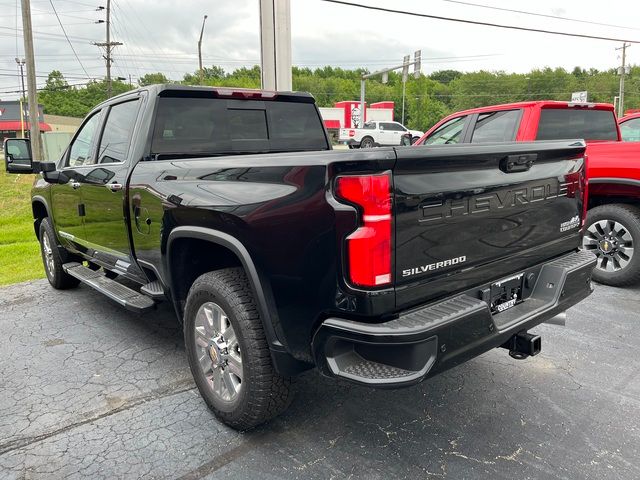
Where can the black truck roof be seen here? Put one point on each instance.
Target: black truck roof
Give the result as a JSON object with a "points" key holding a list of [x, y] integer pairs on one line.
{"points": [[221, 92]]}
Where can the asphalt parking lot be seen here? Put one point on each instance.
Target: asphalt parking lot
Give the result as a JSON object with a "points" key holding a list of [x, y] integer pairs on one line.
{"points": [[90, 390]]}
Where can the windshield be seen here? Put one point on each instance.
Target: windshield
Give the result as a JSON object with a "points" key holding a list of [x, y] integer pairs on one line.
{"points": [[589, 124], [209, 126]]}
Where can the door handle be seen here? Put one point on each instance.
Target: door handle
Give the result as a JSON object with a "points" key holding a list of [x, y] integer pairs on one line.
{"points": [[114, 187], [75, 185]]}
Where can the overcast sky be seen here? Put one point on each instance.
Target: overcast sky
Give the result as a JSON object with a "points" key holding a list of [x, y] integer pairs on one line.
{"points": [[161, 35]]}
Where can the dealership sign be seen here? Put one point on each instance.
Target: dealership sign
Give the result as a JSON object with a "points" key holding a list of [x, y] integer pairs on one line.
{"points": [[10, 111], [579, 97]]}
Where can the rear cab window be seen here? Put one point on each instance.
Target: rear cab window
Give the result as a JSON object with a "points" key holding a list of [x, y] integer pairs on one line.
{"points": [[217, 126], [584, 123]]}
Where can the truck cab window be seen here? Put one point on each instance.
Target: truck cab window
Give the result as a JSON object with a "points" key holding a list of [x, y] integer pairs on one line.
{"points": [[500, 126], [394, 127], [450, 132], [117, 132], [631, 130], [81, 150], [570, 123]]}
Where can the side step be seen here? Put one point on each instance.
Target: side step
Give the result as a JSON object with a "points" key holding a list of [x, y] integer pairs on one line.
{"points": [[154, 290], [128, 298]]}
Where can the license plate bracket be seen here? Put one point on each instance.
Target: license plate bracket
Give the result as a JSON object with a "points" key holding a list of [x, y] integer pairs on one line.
{"points": [[506, 293]]}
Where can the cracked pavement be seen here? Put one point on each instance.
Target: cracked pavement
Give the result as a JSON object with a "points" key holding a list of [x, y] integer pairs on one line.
{"points": [[88, 389]]}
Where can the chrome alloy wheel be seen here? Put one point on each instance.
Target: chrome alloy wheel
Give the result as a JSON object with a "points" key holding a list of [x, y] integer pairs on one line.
{"points": [[48, 255], [612, 244], [218, 351]]}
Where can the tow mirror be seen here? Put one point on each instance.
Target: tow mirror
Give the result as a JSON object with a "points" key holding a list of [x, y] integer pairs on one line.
{"points": [[17, 156]]}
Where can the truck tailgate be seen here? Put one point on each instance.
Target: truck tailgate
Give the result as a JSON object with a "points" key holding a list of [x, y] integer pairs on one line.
{"points": [[468, 213]]}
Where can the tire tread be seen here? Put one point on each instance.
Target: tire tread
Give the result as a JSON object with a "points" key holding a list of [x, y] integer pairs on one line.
{"points": [[270, 393]]}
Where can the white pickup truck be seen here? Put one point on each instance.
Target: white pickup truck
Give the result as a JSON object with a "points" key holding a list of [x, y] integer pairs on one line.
{"points": [[375, 134]]}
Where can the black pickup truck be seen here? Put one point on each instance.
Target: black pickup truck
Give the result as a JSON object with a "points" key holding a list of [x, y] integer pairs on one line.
{"points": [[382, 266]]}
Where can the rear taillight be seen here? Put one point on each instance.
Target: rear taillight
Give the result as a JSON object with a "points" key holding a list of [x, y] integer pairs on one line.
{"points": [[369, 247]]}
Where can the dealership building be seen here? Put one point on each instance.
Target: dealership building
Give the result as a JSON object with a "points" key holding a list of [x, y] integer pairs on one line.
{"points": [[11, 123], [347, 114]]}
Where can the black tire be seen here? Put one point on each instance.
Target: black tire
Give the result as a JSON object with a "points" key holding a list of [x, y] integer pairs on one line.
{"points": [[367, 142], [53, 257], [264, 393], [613, 233], [414, 140]]}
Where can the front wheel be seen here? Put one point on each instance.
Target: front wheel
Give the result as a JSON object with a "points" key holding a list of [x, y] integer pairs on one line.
{"points": [[53, 257], [613, 231], [228, 352]]}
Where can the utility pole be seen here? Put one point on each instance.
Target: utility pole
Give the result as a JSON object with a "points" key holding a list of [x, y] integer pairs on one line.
{"points": [[417, 65], [405, 76], [21, 62], [275, 44], [201, 71], [622, 72], [34, 117], [108, 45]]}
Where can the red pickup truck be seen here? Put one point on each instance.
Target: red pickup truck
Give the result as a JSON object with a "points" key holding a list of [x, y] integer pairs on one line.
{"points": [[613, 223]]}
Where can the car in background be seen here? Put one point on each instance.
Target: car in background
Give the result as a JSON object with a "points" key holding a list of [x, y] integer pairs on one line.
{"points": [[376, 134], [630, 127], [613, 224]]}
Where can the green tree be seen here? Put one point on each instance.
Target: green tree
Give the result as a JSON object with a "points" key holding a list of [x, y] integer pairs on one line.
{"points": [[56, 81], [152, 78]]}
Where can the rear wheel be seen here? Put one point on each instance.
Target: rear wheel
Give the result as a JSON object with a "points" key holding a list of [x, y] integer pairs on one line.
{"points": [[612, 234], [366, 142], [228, 352], [53, 257]]}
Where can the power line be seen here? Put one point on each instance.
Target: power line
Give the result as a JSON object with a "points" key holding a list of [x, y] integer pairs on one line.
{"points": [[44, 87], [477, 22], [67, 37], [535, 14], [67, 1], [19, 30]]}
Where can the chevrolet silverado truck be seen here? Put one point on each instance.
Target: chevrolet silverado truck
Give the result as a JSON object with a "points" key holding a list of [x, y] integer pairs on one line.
{"points": [[613, 223], [376, 134], [382, 267]]}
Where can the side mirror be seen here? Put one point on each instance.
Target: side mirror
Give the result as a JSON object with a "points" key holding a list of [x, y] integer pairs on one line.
{"points": [[17, 156], [406, 140]]}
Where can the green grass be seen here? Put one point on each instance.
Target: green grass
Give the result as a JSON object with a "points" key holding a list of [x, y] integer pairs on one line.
{"points": [[19, 250]]}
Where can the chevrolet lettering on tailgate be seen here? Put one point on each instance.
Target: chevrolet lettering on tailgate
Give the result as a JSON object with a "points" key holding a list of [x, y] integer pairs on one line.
{"points": [[500, 200]]}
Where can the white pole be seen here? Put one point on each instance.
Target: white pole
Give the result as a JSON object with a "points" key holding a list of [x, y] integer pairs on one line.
{"points": [[404, 92], [275, 44], [362, 104]]}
